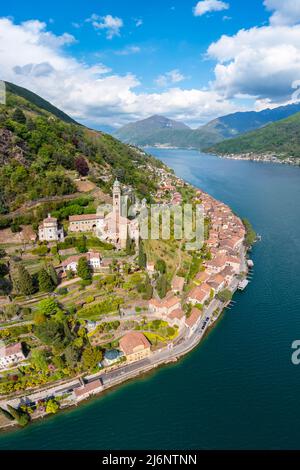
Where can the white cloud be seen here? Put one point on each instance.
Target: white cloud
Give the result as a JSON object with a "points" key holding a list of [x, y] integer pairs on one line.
{"points": [[169, 78], [128, 50], [35, 58], [286, 12], [111, 24], [261, 62], [207, 6]]}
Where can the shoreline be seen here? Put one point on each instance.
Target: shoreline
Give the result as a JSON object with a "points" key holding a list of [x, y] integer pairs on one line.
{"points": [[191, 342], [260, 158], [140, 374]]}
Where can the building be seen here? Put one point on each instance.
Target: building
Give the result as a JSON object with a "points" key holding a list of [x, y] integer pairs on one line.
{"points": [[113, 227], [235, 263], [217, 264], [86, 223], [49, 230], [71, 263], [116, 226], [217, 282], [176, 317], [11, 355], [198, 295], [165, 306], [177, 284], [202, 276], [87, 390], [192, 321], [135, 346]]}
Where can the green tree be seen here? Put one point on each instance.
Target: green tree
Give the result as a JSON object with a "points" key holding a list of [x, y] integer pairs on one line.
{"points": [[39, 359], [52, 406], [45, 281], [11, 310], [3, 269], [48, 307], [72, 355], [83, 269], [130, 245], [52, 333], [162, 285], [20, 416], [91, 357], [5, 286], [142, 258], [225, 295], [161, 266], [39, 317], [81, 245], [148, 289], [23, 281], [53, 274]]}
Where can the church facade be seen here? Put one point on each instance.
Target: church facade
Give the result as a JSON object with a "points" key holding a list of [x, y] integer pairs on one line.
{"points": [[116, 226]]}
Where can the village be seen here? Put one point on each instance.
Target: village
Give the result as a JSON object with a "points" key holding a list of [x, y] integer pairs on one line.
{"points": [[119, 305]]}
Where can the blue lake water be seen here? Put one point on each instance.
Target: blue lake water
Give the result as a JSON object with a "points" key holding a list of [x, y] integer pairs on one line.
{"points": [[238, 389]]}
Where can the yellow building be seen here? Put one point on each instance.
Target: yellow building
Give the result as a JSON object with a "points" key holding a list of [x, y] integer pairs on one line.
{"points": [[135, 346]]}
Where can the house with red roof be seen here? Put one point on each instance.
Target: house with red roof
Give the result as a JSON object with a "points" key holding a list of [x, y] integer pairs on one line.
{"points": [[135, 346]]}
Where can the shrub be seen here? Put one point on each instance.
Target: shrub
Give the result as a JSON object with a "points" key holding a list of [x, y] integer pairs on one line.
{"points": [[62, 291]]}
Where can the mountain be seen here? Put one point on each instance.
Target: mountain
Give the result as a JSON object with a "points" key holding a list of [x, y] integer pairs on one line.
{"points": [[35, 102], [158, 130], [281, 139], [39, 151], [146, 131], [238, 123]]}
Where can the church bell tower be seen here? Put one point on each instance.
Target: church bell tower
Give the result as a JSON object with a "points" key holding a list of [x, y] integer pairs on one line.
{"points": [[117, 197]]}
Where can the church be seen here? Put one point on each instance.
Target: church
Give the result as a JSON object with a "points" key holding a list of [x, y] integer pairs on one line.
{"points": [[111, 223], [116, 227]]}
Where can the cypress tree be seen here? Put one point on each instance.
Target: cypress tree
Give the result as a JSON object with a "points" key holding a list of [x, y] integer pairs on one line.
{"points": [[83, 269], [45, 281], [53, 275], [148, 289], [142, 259], [162, 286], [23, 282]]}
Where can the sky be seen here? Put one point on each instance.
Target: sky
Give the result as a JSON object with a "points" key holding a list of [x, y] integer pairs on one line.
{"points": [[110, 62]]}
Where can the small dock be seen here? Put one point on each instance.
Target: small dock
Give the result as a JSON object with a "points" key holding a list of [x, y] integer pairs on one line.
{"points": [[243, 284]]}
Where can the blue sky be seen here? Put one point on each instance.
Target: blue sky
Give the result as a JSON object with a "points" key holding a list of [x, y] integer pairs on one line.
{"points": [[110, 62]]}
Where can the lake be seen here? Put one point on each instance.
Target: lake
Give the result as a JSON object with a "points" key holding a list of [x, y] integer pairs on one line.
{"points": [[239, 388]]}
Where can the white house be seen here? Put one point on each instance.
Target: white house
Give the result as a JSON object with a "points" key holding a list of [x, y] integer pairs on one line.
{"points": [[49, 230], [11, 355], [71, 263]]}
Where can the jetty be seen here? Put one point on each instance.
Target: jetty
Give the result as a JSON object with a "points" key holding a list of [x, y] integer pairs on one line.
{"points": [[243, 284]]}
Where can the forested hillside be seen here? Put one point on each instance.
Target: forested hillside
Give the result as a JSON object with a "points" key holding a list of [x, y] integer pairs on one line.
{"points": [[40, 151], [281, 138]]}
